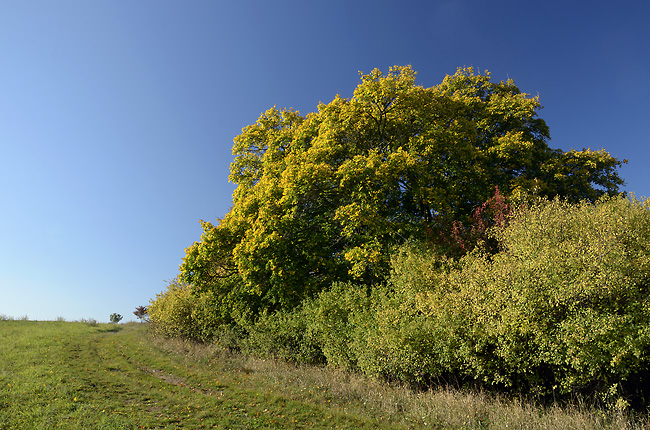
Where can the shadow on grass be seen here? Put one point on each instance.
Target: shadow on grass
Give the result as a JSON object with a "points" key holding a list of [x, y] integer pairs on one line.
{"points": [[109, 328]]}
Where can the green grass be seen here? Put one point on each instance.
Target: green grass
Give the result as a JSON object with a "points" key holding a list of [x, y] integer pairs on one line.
{"points": [[76, 375]]}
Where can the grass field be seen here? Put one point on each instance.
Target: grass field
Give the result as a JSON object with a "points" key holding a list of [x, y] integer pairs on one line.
{"points": [[75, 375]]}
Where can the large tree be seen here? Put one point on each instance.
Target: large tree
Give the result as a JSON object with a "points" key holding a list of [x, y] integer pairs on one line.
{"points": [[327, 196]]}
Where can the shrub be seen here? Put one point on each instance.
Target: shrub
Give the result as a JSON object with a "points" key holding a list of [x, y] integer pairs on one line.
{"points": [[337, 319], [563, 307], [181, 312], [90, 321], [283, 335], [455, 238], [116, 318], [389, 342]]}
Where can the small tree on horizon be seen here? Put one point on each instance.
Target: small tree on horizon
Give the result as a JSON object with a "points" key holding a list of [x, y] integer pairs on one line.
{"points": [[116, 318], [141, 313]]}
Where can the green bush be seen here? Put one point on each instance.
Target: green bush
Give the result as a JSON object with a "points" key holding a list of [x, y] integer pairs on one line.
{"points": [[383, 331], [337, 318], [283, 335], [395, 342], [90, 321], [380, 332], [181, 312], [563, 307]]}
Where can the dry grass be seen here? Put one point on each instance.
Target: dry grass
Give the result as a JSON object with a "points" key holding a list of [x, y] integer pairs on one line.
{"points": [[403, 407]]}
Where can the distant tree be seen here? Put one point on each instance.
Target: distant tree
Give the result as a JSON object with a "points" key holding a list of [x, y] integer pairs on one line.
{"points": [[116, 318], [328, 196], [141, 313]]}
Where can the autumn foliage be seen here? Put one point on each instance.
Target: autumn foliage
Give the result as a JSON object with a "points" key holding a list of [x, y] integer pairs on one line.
{"points": [[424, 234], [329, 196]]}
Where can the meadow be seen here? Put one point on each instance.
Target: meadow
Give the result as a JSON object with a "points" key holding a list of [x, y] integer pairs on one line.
{"points": [[84, 375]]}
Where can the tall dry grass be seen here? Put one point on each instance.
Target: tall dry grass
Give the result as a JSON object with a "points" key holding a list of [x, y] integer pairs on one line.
{"points": [[400, 406]]}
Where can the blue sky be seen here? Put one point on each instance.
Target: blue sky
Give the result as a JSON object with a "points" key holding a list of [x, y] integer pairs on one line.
{"points": [[117, 117]]}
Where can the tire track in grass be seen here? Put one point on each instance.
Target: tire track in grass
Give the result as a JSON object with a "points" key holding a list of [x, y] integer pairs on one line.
{"points": [[76, 376]]}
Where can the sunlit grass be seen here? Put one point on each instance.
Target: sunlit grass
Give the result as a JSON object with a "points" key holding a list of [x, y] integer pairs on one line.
{"points": [[398, 406], [77, 376], [74, 375]]}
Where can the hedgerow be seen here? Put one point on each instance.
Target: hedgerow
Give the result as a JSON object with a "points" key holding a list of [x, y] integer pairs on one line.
{"points": [[562, 308], [556, 304]]}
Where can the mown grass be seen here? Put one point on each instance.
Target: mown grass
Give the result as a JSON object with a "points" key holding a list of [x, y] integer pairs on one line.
{"points": [[77, 375]]}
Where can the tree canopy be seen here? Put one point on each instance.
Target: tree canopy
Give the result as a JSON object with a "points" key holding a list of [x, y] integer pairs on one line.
{"points": [[328, 196]]}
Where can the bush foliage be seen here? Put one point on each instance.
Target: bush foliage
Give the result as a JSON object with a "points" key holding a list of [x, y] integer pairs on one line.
{"points": [[561, 307], [178, 312]]}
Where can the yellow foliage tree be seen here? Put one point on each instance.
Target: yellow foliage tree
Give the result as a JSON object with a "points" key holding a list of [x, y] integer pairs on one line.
{"points": [[327, 196]]}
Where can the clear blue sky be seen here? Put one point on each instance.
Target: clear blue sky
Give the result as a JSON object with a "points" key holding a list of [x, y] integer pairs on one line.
{"points": [[117, 117]]}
